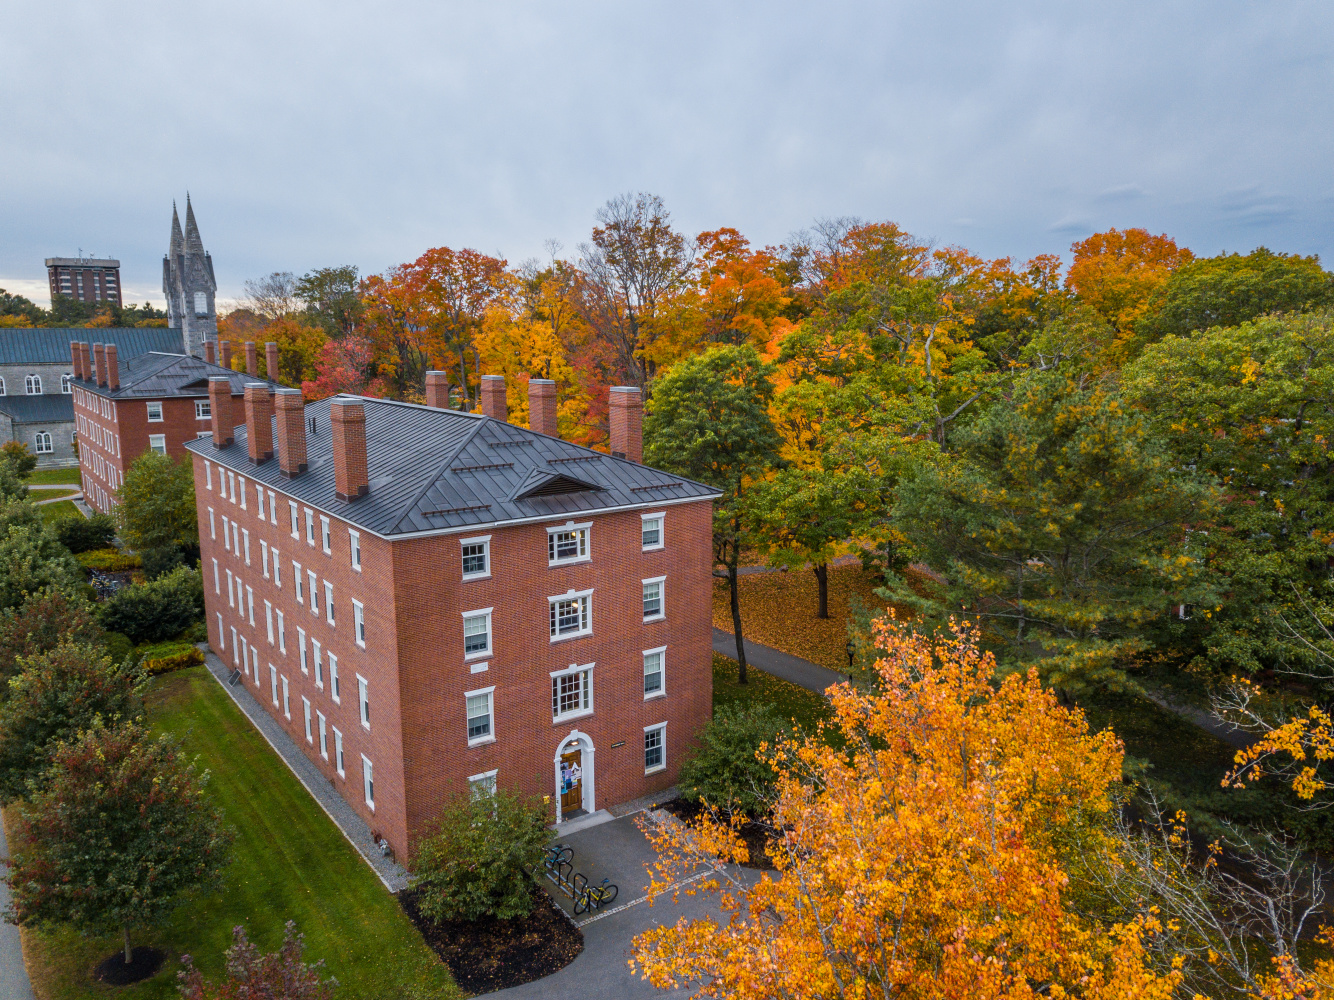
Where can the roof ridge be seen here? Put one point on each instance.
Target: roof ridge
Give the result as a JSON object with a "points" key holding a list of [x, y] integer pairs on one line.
{"points": [[431, 481]]}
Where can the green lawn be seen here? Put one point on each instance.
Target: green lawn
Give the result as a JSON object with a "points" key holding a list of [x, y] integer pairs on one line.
{"points": [[289, 862], [59, 509], [50, 477], [39, 495], [792, 702]]}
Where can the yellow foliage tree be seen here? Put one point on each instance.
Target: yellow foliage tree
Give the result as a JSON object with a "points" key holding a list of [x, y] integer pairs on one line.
{"points": [[927, 859], [1118, 271]]}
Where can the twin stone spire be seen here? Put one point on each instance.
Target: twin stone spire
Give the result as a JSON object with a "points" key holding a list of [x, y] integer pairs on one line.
{"points": [[188, 284]]}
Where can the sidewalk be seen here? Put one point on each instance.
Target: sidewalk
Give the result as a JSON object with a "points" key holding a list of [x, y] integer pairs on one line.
{"points": [[393, 875], [802, 673], [14, 983]]}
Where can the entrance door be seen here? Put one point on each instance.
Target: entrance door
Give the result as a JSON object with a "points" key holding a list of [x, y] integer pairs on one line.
{"points": [[571, 781]]}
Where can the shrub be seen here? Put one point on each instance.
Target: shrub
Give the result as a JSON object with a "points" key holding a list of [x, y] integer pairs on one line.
{"points": [[31, 557], [723, 769], [16, 455], [476, 858], [161, 561], [108, 560], [282, 975], [164, 657], [40, 624], [118, 646], [156, 610], [82, 534]]}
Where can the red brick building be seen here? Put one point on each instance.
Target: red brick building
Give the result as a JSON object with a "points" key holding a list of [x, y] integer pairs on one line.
{"points": [[431, 600], [154, 401]]}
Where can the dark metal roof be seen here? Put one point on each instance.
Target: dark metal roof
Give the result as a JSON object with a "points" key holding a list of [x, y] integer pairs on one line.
{"points": [[49, 409], [156, 375], [50, 345], [441, 470]]}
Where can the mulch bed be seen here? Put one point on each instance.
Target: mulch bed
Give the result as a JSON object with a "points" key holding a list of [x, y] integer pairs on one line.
{"points": [[755, 835], [115, 971], [490, 954]]}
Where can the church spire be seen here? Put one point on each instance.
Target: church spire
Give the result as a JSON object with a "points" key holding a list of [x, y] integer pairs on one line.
{"points": [[193, 242], [177, 240]]}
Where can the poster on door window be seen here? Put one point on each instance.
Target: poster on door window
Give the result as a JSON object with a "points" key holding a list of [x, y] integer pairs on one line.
{"points": [[570, 775]]}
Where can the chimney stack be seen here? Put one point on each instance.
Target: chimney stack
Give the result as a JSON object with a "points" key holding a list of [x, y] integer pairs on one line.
{"points": [[542, 406], [220, 409], [100, 364], [209, 354], [493, 396], [347, 420], [625, 413], [437, 389], [113, 366], [271, 360], [258, 421], [76, 358], [291, 424], [226, 356], [251, 359]]}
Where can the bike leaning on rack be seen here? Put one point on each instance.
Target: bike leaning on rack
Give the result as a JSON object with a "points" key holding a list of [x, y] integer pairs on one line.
{"points": [[593, 897]]}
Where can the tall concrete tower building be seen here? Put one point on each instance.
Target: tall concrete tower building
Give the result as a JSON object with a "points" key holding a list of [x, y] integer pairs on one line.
{"points": [[189, 285]]}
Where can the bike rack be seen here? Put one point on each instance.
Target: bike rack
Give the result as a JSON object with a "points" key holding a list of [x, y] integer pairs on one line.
{"points": [[567, 880]]}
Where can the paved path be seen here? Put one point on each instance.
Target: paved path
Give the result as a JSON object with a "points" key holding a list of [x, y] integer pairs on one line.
{"points": [[14, 983], [353, 826], [802, 673]]}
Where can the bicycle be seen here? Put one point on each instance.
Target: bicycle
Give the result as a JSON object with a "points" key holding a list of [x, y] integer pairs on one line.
{"points": [[557, 855], [596, 896]]}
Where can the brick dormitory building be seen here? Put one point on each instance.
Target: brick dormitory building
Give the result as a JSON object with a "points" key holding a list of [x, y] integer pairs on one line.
{"points": [[154, 401], [434, 602]]}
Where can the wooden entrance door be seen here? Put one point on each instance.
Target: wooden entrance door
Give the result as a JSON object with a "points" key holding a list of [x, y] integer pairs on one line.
{"points": [[571, 781]]}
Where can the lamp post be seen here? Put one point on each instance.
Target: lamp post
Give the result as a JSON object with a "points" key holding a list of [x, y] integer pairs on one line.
{"points": [[851, 651]]}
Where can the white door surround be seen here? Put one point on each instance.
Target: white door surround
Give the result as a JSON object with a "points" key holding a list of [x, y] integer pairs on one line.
{"points": [[583, 742]]}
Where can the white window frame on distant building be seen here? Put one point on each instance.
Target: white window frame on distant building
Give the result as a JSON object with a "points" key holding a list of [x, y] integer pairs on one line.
{"points": [[154, 411]]}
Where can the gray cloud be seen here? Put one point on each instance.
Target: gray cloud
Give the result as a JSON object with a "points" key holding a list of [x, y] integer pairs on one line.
{"points": [[313, 134]]}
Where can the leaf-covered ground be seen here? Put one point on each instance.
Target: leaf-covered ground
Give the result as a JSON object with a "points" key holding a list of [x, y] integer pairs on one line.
{"points": [[806, 708]]}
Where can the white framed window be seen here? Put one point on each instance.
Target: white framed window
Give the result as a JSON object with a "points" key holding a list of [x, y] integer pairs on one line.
{"points": [[157, 443], [318, 656], [310, 527], [324, 735], [479, 705], [305, 708], [354, 548], [32, 385], [273, 683], [338, 752], [259, 505], [296, 530], [334, 689], [264, 557], [245, 540], [324, 535], [476, 557], [208, 473], [234, 646], [655, 748], [41, 442], [222, 633], [328, 602], [655, 672], [203, 409], [277, 570], [567, 544], [217, 588], [314, 592], [651, 531], [571, 692], [241, 481], [154, 413], [655, 607], [368, 781], [482, 786], [273, 509], [477, 633], [231, 600], [364, 702], [231, 485], [301, 644], [359, 623], [212, 527], [296, 575], [226, 535], [250, 601], [287, 704], [65, 384], [571, 614], [201, 303], [282, 634], [268, 620]]}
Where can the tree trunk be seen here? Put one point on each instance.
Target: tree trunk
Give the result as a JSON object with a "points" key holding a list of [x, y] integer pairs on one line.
{"points": [[736, 621], [129, 953], [821, 571]]}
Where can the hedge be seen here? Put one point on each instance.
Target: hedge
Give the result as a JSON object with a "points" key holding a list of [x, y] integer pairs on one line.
{"points": [[164, 657], [109, 560]]}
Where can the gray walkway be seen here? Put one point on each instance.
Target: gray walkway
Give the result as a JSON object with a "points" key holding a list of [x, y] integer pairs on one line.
{"points": [[802, 673], [14, 983], [354, 828]]}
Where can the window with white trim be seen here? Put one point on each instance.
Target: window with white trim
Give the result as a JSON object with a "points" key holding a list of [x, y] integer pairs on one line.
{"points": [[212, 526], [301, 644], [268, 620], [217, 589], [296, 530], [479, 704], [310, 527], [359, 623], [477, 633], [277, 570], [245, 539], [354, 548], [208, 474], [654, 605], [154, 413], [328, 603], [273, 509], [250, 600], [273, 683], [231, 599], [334, 689], [655, 680], [655, 748], [33, 385], [259, 501], [264, 557], [324, 735], [296, 575], [231, 484], [282, 634], [571, 615], [305, 708], [41, 442], [287, 704], [222, 635], [242, 484], [324, 535], [368, 781], [476, 557], [338, 751], [157, 443], [203, 409], [482, 786], [317, 652], [571, 692], [651, 531], [567, 544], [66, 387], [314, 593], [364, 702]]}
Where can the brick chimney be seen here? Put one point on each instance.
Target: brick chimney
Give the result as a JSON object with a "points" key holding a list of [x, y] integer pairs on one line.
{"points": [[271, 360], [76, 358], [113, 366], [225, 358], [291, 424], [86, 353], [493, 396], [437, 390], [220, 407], [251, 359], [347, 420], [208, 351], [625, 412], [258, 421], [542, 406]]}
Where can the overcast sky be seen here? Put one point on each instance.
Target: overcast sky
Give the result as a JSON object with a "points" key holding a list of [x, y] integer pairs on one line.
{"points": [[313, 134]]}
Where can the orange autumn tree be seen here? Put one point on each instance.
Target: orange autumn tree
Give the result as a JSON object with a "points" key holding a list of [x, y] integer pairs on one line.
{"points": [[1118, 271], [927, 859]]}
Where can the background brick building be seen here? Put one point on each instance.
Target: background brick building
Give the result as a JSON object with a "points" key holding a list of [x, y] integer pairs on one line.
{"points": [[431, 601], [85, 279]]}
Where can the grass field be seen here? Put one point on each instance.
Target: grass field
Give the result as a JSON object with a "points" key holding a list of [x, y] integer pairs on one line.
{"points": [[50, 477], [289, 862], [52, 494], [807, 708], [59, 509]]}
